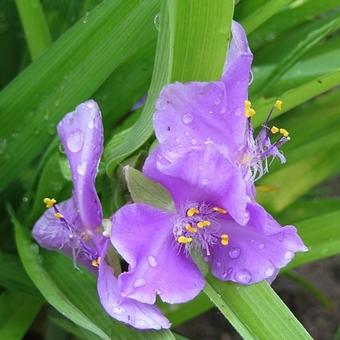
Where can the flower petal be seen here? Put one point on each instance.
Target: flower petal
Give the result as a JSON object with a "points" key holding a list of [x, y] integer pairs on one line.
{"points": [[143, 235], [81, 133], [50, 232], [191, 113], [236, 77], [202, 174], [254, 253], [132, 312]]}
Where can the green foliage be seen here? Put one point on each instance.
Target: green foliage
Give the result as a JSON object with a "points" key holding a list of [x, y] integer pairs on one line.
{"points": [[116, 51]]}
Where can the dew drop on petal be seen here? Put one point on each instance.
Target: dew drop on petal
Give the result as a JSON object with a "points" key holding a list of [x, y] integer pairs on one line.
{"points": [[218, 264], [234, 252], [217, 101], [139, 283], [75, 141], [152, 261], [118, 310], [81, 168], [269, 271], [90, 104], [205, 181], [210, 111], [193, 141], [289, 255], [139, 323], [280, 237], [261, 246], [187, 118], [243, 276], [90, 124]]}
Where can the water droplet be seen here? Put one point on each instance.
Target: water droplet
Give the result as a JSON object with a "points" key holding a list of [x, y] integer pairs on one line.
{"points": [[217, 101], [90, 124], [81, 168], [3, 145], [205, 181], [25, 199], [141, 323], [187, 133], [156, 22], [187, 118], [218, 264], [269, 271], [118, 310], [193, 141], [243, 276], [234, 252], [91, 104], [75, 141], [289, 255], [152, 261], [139, 283], [210, 111], [280, 237], [261, 246]]}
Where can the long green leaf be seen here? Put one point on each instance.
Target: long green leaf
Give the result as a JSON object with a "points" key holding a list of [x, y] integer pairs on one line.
{"points": [[17, 312], [182, 54], [72, 69], [35, 26], [255, 311]]}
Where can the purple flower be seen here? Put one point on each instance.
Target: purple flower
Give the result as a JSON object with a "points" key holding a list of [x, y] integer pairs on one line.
{"points": [[74, 227], [208, 160]]}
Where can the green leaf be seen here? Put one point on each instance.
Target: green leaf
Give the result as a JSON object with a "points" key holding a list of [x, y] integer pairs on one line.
{"points": [[182, 54], [13, 275], [35, 26], [312, 38], [72, 292], [255, 311], [321, 235], [262, 14], [17, 312], [144, 190], [70, 71]]}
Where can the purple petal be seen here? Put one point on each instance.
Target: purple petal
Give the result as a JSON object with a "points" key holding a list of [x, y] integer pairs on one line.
{"points": [[143, 236], [50, 232], [81, 133], [236, 77], [202, 174], [132, 312], [256, 251]]}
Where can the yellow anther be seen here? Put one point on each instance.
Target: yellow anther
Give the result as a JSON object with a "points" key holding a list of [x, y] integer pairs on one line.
{"points": [[96, 262], [250, 113], [284, 132], [224, 239], [278, 105], [192, 211], [191, 229], [58, 215], [50, 202], [274, 130], [220, 210], [247, 104], [183, 239], [203, 224]]}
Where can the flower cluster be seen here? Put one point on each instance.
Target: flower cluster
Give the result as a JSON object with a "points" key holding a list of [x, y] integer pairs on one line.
{"points": [[208, 160]]}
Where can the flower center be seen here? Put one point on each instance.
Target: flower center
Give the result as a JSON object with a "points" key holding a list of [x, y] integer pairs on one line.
{"points": [[200, 227]]}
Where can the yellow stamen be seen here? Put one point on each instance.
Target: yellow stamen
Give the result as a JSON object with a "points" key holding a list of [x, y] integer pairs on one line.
{"points": [[274, 130], [250, 113], [191, 229], [284, 132], [220, 210], [58, 215], [224, 239], [247, 104], [203, 224], [50, 202], [278, 105], [183, 239], [96, 262], [192, 211]]}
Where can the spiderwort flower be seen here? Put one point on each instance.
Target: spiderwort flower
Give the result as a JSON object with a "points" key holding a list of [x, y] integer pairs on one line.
{"points": [[74, 226], [208, 160]]}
